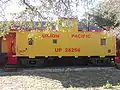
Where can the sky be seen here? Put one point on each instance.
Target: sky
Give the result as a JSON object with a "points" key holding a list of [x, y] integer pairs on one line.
{"points": [[14, 7]]}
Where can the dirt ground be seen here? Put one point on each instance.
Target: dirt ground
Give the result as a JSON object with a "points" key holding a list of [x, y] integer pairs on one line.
{"points": [[68, 78]]}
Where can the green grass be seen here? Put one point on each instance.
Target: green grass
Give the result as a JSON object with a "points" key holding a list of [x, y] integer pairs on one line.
{"points": [[107, 85], [118, 84]]}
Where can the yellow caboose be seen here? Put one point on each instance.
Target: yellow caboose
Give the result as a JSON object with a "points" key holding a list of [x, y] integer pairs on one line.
{"points": [[32, 46]]}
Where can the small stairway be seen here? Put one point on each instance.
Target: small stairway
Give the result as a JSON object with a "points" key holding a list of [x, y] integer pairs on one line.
{"points": [[11, 64]]}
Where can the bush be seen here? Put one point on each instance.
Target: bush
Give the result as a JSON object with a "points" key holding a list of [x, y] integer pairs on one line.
{"points": [[107, 85]]}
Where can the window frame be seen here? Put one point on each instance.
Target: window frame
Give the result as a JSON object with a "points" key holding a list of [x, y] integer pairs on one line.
{"points": [[103, 41], [55, 41]]}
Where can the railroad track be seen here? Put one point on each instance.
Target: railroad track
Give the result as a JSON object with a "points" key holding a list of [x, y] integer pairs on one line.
{"points": [[72, 67], [68, 69]]}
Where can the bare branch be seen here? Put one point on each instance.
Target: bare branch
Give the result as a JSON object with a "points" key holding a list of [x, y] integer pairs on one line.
{"points": [[28, 5], [5, 1], [32, 8]]}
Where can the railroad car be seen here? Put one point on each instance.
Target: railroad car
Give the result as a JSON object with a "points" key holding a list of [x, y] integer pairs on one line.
{"points": [[38, 47]]}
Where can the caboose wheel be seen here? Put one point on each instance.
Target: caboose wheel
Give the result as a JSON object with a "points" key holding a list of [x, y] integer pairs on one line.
{"points": [[117, 65], [82, 60], [3, 60]]}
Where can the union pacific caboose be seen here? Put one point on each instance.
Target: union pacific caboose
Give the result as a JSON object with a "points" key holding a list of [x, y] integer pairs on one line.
{"points": [[37, 47]]}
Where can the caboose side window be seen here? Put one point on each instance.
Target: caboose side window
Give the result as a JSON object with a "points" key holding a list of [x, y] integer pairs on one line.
{"points": [[103, 41], [54, 41], [30, 41]]}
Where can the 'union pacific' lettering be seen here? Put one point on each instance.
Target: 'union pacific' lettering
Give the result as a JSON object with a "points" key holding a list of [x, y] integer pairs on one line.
{"points": [[81, 36], [50, 35]]}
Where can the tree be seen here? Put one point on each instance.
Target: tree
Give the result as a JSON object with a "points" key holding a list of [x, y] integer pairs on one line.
{"points": [[47, 8], [102, 16], [43, 9], [113, 6]]}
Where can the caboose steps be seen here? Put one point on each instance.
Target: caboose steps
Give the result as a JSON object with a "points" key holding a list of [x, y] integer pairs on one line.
{"points": [[10, 68]]}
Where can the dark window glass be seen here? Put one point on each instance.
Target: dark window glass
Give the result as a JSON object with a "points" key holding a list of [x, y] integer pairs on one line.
{"points": [[30, 41], [54, 41], [103, 41]]}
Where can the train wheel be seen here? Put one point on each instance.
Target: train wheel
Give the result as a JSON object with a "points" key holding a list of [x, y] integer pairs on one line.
{"points": [[3, 60], [22, 62], [82, 60], [117, 65], [97, 61], [40, 62], [52, 61], [27, 63], [67, 61]]}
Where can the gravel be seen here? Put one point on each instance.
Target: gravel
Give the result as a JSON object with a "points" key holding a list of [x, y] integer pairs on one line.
{"points": [[68, 78]]}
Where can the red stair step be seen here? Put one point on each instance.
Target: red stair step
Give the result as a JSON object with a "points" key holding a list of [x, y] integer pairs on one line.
{"points": [[12, 59], [10, 69]]}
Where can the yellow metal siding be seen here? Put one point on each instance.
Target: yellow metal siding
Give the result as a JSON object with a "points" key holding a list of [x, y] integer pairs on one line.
{"points": [[45, 47], [4, 46]]}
